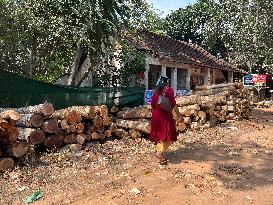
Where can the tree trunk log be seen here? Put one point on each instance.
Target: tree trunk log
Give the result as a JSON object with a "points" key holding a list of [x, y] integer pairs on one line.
{"points": [[10, 114], [188, 100], [101, 129], [209, 87], [107, 133], [80, 128], [102, 110], [80, 138], [54, 141], [18, 149], [98, 121], [86, 112], [181, 126], [106, 121], [30, 120], [135, 113], [4, 124], [143, 126], [191, 110], [51, 126], [71, 129], [6, 164], [95, 136], [33, 136], [45, 109], [121, 133], [69, 139]]}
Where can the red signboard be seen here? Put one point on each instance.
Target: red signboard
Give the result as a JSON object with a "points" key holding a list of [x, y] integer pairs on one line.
{"points": [[259, 80]]}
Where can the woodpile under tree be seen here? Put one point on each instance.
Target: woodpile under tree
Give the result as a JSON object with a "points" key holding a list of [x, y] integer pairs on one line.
{"points": [[208, 106], [41, 126]]}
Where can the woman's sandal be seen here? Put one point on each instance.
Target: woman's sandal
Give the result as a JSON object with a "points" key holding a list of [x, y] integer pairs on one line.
{"points": [[161, 159]]}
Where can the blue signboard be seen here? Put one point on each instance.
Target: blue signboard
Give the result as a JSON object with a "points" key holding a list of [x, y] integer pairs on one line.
{"points": [[148, 96]]}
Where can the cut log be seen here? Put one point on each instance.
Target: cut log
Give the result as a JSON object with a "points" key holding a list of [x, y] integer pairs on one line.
{"points": [[4, 124], [80, 128], [13, 133], [181, 126], [113, 127], [69, 139], [203, 117], [51, 126], [18, 149], [106, 121], [86, 112], [101, 136], [101, 129], [187, 120], [45, 109], [6, 164], [33, 136], [135, 113], [134, 134], [223, 90], [54, 141], [98, 121], [95, 136], [10, 115], [107, 133], [88, 137], [143, 126], [64, 124], [73, 117], [80, 138], [121, 133], [89, 129], [71, 128], [191, 110], [114, 109], [188, 100], [214, 86], [102, 110], [30, 120]]}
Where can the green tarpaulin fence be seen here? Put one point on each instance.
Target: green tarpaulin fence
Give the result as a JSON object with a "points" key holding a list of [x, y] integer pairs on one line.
{"points": [[18, 91]]}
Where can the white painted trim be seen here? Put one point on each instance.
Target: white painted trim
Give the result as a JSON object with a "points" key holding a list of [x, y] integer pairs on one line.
{"points": [[207, 76], [174, 79], [230, 76], [146, 74], [188, 80], [163, 70]]}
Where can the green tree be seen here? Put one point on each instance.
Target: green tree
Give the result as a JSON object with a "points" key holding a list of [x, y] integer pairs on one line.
{"points": [[45, 38], [246, 29], [190, 24]]}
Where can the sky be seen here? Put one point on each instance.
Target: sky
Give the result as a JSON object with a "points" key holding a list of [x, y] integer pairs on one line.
{"points": [[166, 6]]}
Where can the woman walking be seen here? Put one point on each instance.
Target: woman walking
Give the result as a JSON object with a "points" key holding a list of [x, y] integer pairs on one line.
{"points": [[163, 130]]}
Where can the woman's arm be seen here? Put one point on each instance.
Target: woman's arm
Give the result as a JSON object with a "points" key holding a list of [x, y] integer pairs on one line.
{"points": [[175, 108]]}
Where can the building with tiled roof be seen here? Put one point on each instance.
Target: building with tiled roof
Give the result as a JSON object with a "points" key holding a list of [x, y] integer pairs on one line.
{"points": [[184, 63]]}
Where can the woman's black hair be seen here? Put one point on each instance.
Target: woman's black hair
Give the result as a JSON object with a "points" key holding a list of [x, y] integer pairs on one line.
{"points": [[161, 83]]}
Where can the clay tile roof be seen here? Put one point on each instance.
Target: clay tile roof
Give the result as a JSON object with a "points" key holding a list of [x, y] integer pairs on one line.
{"points": [[174, 50]]}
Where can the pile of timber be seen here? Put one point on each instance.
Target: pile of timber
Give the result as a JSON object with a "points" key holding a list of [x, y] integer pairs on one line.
{"points": [[208, 106], [41, 126]]}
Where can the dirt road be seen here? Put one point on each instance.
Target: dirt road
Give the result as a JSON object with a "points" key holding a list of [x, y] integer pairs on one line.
{"points": [[229, 164]]}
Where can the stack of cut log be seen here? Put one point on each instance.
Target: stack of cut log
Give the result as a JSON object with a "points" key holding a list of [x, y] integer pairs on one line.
{"points": [[41, 126], [19, 129], [135, 121], [198, 111]]}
